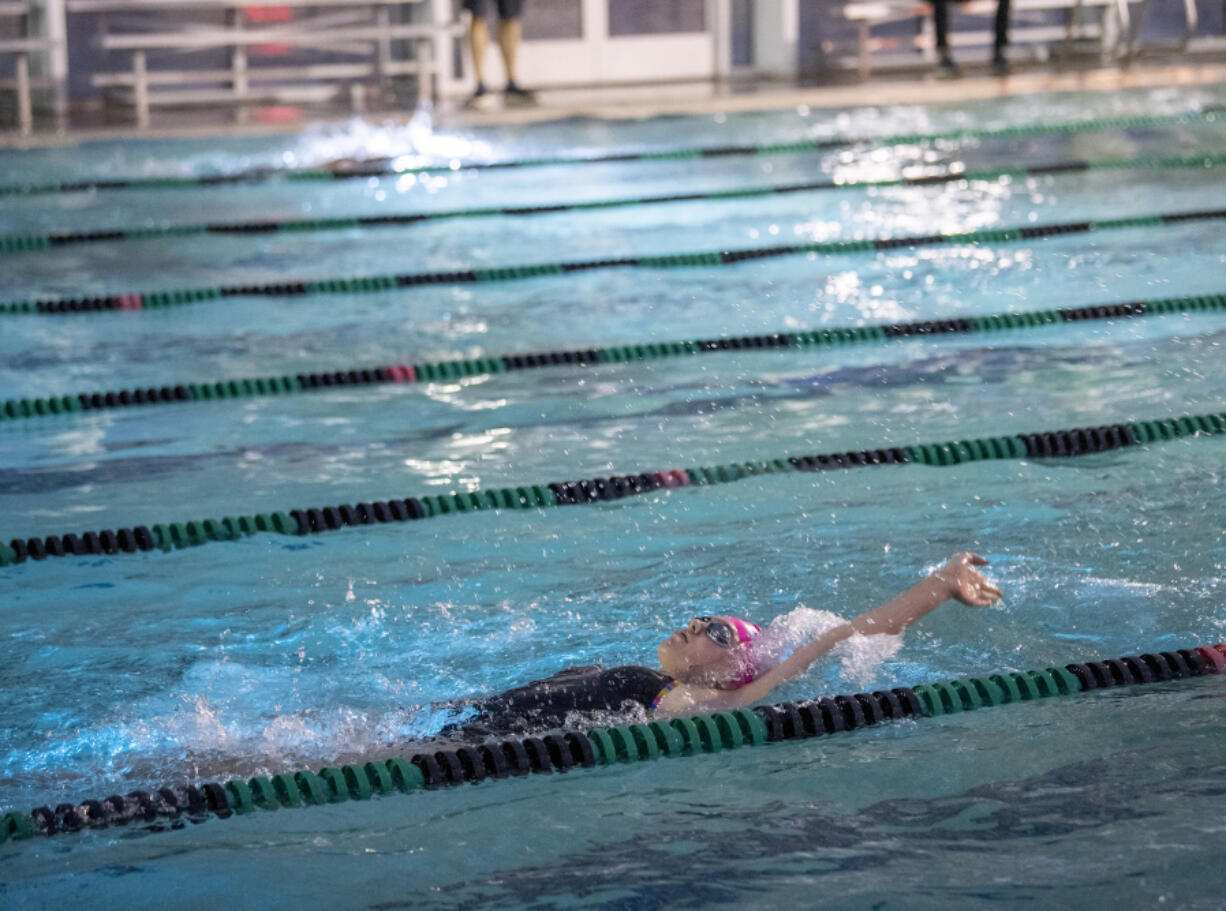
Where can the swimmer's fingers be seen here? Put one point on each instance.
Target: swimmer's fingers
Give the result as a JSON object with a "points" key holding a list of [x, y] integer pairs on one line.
{"points": [[977, 598], [981, 581], [985, 599], [966, 558], [984, 593], [967, 585]]}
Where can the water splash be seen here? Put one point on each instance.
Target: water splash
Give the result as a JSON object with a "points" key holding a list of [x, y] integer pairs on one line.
{"points": [[859, 656]]}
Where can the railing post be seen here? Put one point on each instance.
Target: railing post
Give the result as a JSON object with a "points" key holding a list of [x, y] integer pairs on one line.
{"points": [[25, 116], [140, 89]]}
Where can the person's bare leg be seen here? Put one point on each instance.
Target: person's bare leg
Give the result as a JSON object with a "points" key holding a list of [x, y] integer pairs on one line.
{"points": [[479, 41], [509, 33]]}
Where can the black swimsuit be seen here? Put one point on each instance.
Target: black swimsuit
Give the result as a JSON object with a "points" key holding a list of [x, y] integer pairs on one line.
{"points": [[546, 703]]}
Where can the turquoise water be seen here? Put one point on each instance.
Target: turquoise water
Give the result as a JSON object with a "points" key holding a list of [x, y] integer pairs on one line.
{"points": [[276, 653]]}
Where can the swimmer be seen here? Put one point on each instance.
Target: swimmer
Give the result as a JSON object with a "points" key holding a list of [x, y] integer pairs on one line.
{"points": [[712, 664], [357, 167]]}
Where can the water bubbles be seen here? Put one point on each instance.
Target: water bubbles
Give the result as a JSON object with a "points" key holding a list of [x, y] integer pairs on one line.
{"points": [[408, 163]]}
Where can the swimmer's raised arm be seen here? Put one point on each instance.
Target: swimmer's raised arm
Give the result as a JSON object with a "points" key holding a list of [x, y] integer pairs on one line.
{"points": [[957, 580]]}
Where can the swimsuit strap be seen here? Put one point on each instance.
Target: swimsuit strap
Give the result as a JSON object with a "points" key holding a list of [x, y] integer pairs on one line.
{"points": [[668, 688]]}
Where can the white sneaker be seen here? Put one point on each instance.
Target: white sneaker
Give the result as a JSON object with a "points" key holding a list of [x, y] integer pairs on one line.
{"points": [[480, 101]]}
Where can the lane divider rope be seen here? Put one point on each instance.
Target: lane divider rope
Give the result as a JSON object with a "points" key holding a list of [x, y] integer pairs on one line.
{"points": [[133, 300], [449, 370], [179, 535], [21, 243], [390, 168], [569, 750]]}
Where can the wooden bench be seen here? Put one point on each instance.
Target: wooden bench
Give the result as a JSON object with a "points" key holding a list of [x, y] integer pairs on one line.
{"points": [[19, 49], [868, 13], [359, 28]]}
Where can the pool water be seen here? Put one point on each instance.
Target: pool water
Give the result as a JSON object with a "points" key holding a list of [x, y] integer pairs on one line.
{"points": [[276, 653]]}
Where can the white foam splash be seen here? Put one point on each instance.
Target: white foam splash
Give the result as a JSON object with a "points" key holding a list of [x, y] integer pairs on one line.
{"points": [[859, 656]]}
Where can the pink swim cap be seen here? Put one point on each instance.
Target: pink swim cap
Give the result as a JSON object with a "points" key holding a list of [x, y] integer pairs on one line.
{"points": [[745, 633]]}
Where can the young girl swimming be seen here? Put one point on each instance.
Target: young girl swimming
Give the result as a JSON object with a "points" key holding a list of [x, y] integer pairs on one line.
{"points": [[714, 663]]}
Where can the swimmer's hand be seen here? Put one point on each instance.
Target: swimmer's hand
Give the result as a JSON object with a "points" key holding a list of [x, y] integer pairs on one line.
{"points": [[965, 583]]}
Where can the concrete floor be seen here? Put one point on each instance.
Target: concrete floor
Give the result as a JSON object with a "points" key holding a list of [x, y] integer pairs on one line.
{"points": [[645, 101], [707, 99]]}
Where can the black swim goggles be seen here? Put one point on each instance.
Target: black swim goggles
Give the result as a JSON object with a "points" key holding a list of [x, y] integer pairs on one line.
{"points": [[719, 632]]}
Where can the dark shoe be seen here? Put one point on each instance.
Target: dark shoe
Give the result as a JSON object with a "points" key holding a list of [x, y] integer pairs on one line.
{"points": [[947, 69], [1000, 66], [516, 95]]}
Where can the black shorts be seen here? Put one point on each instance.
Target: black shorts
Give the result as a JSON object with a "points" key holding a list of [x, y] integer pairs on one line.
{"points": [[507, 9]]}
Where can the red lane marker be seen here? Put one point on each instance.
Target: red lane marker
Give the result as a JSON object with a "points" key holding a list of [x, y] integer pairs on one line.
{"points": [[130, 302], [1214, 657], [402, 373], [676, 478]]}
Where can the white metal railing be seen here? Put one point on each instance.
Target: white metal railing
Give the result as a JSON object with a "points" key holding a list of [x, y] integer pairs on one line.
{"points": [[20, 49], [362, 29]]}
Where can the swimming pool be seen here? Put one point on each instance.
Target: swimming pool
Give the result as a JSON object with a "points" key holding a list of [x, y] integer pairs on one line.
{"points": [[272, 653]]}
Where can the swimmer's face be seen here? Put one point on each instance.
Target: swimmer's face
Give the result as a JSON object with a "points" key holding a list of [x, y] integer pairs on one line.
{"points": [[693, 655]]}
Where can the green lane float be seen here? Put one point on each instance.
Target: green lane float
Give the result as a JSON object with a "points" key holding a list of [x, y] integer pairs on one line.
{"points": [[391, 168], [140, 300], [443, 764], [23, 243], [175, 535], [183, 393]]}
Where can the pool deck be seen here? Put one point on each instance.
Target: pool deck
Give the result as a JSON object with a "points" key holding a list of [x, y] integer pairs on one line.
{"points": [[656, 100], [630, 102]]}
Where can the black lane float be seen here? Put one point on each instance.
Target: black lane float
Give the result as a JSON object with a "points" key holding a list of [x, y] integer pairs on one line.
{"points": [[308, 521], [294, 287], [450, 370], [21, 243], [443, 766], [364, 170]]}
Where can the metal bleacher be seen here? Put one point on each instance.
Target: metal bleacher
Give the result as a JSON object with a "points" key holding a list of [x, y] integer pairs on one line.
{"points": [[159, 45], [1105, 25]]}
